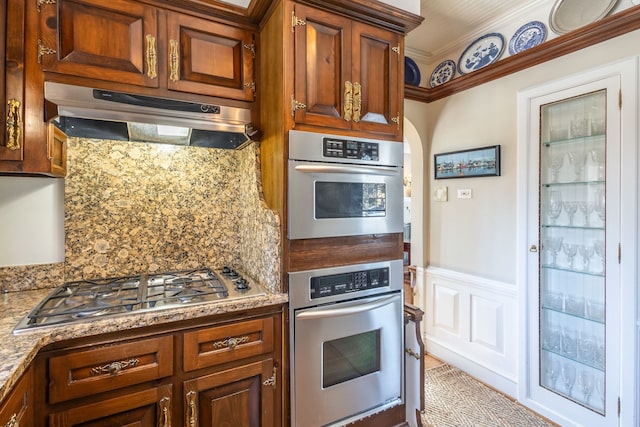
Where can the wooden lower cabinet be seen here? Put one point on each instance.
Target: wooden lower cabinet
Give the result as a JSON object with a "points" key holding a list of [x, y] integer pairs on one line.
{"points": [[147, 408], [239, 397], [17, 409], [205, 373]]}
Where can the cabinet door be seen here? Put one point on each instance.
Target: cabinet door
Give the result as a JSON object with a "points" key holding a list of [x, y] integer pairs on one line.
{"points": [[322, 69], [17, 409], [114, 40], [210, 58], [239, 397], [148, 408], [575, 275], [12, 135], [376, 74]]}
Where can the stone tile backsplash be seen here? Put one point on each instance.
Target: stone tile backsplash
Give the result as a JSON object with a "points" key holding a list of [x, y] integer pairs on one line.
{"points": [[138, 207]]}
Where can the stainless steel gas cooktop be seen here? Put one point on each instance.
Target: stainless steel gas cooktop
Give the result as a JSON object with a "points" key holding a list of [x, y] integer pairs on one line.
{"points": [[97, 298]]}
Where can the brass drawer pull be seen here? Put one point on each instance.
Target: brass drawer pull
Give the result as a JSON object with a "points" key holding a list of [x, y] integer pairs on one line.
{"points": [[164, 407], [192, 416], [114, 368], [231, 342], [174, 65], [152, 62], [13, 124], [13, 421], [348, 100]]}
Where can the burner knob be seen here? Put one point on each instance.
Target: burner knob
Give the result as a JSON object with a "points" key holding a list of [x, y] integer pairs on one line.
{"points": [[226, 270], [233, 274], [242, 284]]}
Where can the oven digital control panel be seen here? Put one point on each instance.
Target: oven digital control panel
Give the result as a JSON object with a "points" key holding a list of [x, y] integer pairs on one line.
{"points": [[338, 284], [349, 149]]}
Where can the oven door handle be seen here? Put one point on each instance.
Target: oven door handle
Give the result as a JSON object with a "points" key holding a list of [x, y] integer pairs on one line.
{"points": [[353, 170], [353, 309]]}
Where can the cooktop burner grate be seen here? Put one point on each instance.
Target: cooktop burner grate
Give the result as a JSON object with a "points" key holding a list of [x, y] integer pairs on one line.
{"points": [[94, 298]]}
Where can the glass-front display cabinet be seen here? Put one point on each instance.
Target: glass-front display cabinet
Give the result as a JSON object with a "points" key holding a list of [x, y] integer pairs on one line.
{"points": [[572, 278], [576, 154]]}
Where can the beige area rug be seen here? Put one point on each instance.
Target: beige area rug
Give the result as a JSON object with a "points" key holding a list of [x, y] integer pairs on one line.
{"points": [[454, 399]]}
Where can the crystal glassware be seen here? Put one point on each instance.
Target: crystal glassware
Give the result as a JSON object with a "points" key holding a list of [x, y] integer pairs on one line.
{"points": [[586, 384], [554, 245], [586, 208], [571, 208], [586, 348], [568, 376], [600, 388], [595, 310], [570, 343], [554, 208], [599, 248], [586, 252], [600, 204], [596, 158], [555, 164], [551, 368], [577, 162], [570, 250]]}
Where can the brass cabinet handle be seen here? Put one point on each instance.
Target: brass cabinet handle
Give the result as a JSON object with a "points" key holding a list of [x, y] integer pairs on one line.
{"points": [[192, 415], [13, 124], [174, 65], [164, 416], [13, 421], [412, 353], [114, 368], [295, 21], [533, 248], [357, 101], [348, 100], [152, 58], [231, 342]]}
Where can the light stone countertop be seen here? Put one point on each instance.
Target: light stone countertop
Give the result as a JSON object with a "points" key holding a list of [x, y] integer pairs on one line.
{"points": [[18, 351]]}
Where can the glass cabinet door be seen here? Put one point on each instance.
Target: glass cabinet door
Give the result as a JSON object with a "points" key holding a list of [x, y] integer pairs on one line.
{"points": [[572, 231]]}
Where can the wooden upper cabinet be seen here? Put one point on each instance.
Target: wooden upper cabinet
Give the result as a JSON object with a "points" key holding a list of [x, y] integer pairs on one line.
{"points": [[210, 58], [17, 408], [347, 74], [114, 40], [377, 65]]}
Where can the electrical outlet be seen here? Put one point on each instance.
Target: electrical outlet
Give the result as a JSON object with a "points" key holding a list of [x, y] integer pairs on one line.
{"points": [[464, 193]]}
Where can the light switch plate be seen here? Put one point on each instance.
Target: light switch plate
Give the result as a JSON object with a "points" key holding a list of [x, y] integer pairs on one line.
{"points": [[440, 194], [464, 193]]}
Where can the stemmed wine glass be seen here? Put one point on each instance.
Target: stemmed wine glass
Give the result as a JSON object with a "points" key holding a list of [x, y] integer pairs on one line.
{"points": [[597, 158], [600, 205], [599, 248], [552, 369], [578, 163], [554, 244], [600, 388], [586, 208], [586, 252], [555, 164], [586, 384], [568, 376], [555, 206], [571, 208], [570, 250]]}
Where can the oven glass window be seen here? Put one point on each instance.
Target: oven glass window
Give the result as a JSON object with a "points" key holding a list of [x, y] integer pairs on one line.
{"points": [[350, 357], [350, 199]]}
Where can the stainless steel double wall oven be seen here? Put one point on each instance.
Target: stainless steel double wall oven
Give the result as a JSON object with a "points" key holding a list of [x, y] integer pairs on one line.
{"points": [[346, 322]]}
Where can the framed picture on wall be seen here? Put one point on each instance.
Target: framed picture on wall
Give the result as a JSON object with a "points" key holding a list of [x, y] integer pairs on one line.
{"points": [[469, 163]]}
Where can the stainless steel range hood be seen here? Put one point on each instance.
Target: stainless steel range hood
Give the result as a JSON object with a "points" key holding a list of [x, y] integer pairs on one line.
{"points": [[97, 113]]}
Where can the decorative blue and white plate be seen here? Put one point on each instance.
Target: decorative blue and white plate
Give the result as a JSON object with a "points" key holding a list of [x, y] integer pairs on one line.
{"points": [[442, 73], [482, 52], [527, 36], [411, 72]]}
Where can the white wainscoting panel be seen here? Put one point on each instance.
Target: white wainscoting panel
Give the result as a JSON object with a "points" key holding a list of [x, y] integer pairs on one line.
{"points": [[472, 323]]}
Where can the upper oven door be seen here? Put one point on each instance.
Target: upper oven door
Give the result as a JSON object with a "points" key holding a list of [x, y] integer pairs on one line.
{"points": [[334, 199], [348, 359]]}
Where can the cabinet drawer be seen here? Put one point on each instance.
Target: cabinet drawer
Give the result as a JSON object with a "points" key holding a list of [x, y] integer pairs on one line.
{"points": [[88, 372], [221, 344]]}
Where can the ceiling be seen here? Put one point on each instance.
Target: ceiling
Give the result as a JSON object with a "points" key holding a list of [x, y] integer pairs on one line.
{"points": [[449, 23]]}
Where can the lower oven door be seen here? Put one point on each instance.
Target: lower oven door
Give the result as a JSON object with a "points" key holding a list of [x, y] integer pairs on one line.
{"points": [[348, 360]]}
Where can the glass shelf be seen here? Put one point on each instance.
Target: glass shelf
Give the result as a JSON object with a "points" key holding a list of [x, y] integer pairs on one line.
{"points": [[570, 270], [577, 316], [572, 227], [565, 357], [576, 140], [573, 183]]}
